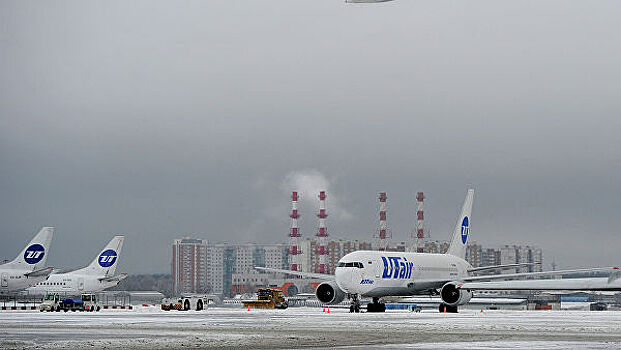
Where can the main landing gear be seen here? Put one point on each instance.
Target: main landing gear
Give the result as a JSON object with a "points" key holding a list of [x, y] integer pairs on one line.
{"points": [[448, 308], [355, 303], [376, 306]]}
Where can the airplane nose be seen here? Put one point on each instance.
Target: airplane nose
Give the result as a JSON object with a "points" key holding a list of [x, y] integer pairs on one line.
{"points": [[341, 280]]}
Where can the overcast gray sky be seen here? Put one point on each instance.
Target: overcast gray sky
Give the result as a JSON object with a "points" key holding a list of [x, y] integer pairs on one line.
{"points": [[159, 120]]}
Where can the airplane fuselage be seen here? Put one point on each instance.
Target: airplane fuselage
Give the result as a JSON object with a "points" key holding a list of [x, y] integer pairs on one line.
{"points": [[382, 273], [12, 280], [70, 284]]}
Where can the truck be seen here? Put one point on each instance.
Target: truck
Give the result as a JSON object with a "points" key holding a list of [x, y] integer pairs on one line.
{"points": [[90, 302], [185, 303], [267, 298], [51, 302]]}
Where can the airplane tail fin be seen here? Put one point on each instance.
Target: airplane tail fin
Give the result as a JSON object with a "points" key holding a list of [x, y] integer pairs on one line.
{"points": [[107, 260], [34, 256], [462, 229]]}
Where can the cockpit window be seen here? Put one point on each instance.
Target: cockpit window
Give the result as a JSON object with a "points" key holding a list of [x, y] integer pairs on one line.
{"points": [[351, 264]]}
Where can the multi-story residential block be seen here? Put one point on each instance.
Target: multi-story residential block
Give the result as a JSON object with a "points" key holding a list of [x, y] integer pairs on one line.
{"points": [[189, 266]]}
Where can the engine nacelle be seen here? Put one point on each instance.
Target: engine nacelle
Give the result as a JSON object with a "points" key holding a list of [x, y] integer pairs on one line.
{"points": [[329, 293], [453, 296]]}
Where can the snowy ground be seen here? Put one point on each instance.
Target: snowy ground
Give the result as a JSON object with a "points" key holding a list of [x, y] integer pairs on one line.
{"points": [[150, 328]]}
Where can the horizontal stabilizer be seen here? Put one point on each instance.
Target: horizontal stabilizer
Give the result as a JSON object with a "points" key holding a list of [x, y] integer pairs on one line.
{"points": [[117, 278], [501, 267], [46, 271], [320, 276]]}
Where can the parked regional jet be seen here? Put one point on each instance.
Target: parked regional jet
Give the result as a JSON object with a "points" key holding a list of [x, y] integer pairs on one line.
{"points": [[29, 267], [94, 278], [378, 274]]}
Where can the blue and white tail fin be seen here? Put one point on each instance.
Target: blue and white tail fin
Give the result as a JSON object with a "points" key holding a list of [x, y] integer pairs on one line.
{"points": [[104, 265], [34, 256], [462, 229]]}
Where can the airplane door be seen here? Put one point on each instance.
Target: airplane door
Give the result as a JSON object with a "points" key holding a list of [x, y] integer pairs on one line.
{"points": [[5, 280], [81, 284]]}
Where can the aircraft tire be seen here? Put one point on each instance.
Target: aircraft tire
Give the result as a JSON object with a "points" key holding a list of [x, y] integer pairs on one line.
{"points": [[186, 305], [199, 305], [373, 307]]}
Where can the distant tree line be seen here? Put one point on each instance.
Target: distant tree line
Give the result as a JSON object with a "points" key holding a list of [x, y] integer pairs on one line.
{"points": [[155, 282]]}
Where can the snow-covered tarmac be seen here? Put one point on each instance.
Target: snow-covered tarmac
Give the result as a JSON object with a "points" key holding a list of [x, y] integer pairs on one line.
{"points": [[151, 328]]}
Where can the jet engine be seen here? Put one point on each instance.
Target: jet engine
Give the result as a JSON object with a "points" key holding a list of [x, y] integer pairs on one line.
{"points": [[329, 293], [453, 296]]}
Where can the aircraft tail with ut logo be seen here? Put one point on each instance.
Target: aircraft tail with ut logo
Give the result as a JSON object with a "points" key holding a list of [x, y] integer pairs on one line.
{"points": [[462, 229], [34, 256], [107, 260]]}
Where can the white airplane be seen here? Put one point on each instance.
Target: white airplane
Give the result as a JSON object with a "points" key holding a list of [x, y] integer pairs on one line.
{"points": [[28, 268], [379, 274], [94, 278]]}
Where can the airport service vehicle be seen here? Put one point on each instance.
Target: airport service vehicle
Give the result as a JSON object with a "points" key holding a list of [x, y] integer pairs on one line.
{"points": [[51, 302], [97, 276], [185, 303], [379, 274], [90, 302], [28, 268], [268, 299]]}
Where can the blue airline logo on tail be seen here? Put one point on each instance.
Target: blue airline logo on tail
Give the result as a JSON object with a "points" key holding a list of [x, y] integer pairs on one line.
{"points": [[397, 267], [34, 254], [465, 229], [107, 258]]}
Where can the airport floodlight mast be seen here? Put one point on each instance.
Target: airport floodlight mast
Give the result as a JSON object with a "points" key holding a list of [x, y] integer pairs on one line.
{"points": [[383, 234], [294, 234], [420, 220], [322, 234]]}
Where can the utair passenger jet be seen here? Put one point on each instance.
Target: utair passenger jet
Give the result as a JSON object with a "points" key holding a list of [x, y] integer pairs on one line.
{"points": [[29, 267], [94, 278], [378, 274]]}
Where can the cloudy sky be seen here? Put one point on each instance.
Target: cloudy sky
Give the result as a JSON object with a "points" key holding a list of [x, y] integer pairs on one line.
{"points": [[160, 120]]}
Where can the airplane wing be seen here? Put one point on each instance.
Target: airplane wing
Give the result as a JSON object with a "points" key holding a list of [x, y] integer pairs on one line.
{"points": [[569, 284], [117, 278], [321, 276], [46, 271], [501, 267], [538, 274]]}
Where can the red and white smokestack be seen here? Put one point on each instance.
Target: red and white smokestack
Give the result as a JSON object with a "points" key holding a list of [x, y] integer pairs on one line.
{"points": [[383, 234], [294, 234], [420, 220], [322, 249]]}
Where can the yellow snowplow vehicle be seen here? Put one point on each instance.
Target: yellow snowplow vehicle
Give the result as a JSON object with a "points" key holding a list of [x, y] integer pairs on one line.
{"points": [[267, 299]]}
